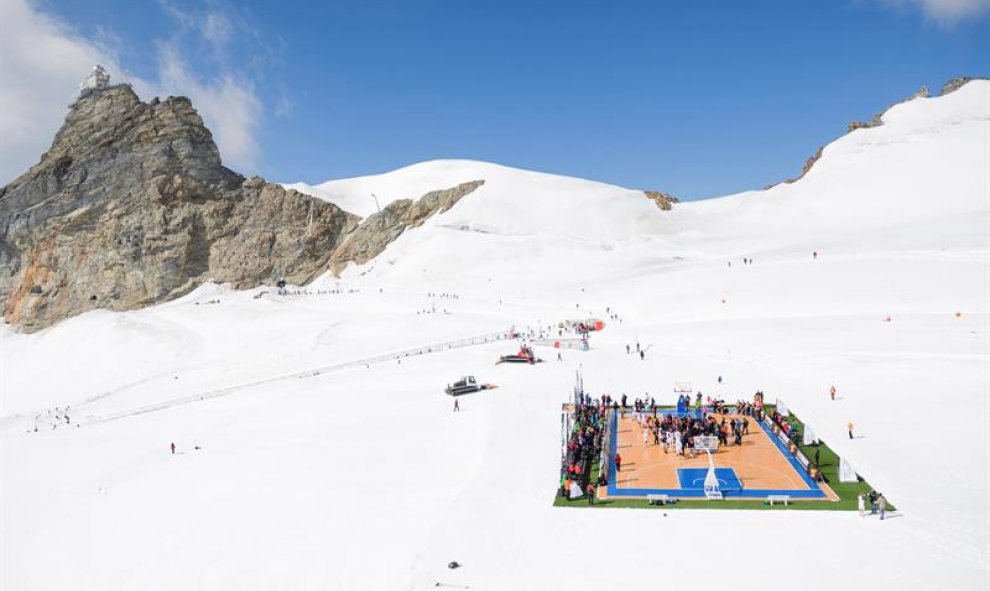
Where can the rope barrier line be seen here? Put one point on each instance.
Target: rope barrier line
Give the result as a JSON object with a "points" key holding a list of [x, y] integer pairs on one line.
{"points": [[309, 373]]}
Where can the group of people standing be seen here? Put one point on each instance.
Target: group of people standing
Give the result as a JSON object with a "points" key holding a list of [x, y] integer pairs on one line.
{"points": [[639, 351], [679, 434], [878, 504], [52, 419], [745, 261], [751, 409]]}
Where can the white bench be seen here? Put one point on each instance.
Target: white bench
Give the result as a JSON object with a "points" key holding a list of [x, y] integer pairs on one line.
{"points": [[771, 499], [658, 499]]}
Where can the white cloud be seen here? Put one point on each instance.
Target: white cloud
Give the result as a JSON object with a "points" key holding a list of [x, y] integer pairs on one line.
{"points": [[213, 26], [284, 107], [229, 105], [217, 29], [43, 60], [945, 12], [41, 66], [182, 18]]}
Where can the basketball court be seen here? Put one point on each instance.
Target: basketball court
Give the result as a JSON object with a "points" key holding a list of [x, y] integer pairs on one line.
{"points": [[760, 467]]}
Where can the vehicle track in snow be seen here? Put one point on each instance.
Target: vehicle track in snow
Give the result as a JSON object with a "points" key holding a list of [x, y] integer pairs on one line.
{"points": [[430, 349]]}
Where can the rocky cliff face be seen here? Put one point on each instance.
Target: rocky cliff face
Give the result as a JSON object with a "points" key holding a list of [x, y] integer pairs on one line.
{"points": [[378, 230], [663, 200], [131, 206]]}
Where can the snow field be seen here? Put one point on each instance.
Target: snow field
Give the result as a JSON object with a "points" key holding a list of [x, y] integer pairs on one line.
{"points": [[365, 478]]}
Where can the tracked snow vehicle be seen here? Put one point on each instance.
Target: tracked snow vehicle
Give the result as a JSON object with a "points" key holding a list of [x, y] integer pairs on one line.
{"points": [[465, 385], [525, 355]]}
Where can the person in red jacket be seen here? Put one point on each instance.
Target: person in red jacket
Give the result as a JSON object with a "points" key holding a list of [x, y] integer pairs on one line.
{"points": [[618, 462]]}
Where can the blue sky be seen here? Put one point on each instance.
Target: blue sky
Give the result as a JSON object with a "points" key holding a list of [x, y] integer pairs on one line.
{"points": [[695, 98]]}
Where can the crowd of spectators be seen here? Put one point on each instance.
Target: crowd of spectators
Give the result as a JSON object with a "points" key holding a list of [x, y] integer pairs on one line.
{"points": [[585, 443], [789, 430]]}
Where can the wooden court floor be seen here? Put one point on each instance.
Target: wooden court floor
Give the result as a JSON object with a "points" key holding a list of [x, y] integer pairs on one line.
{"points": [[757, 462]]}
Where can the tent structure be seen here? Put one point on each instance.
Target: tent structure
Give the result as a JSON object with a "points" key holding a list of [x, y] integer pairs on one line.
{"points": [[575, 492], [846, 472]]}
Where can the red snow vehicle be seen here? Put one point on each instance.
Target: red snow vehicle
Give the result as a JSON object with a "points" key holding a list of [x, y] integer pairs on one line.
{"points": [[525, 355]]}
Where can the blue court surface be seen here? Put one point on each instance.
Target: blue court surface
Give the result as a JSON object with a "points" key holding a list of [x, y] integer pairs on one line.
{"points": [[694, 478]]}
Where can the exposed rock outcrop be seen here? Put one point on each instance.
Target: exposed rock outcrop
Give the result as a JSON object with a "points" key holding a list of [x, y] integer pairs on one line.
{"points": [[856, 124], [875, 121], [663, 200], [379, 230], [131, 206], [955, 84]]}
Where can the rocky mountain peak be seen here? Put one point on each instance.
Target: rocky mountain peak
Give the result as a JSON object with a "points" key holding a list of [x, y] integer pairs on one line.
{"points": [[131, 206]]}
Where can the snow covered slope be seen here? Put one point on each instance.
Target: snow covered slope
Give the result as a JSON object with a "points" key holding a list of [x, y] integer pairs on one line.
{"points": [[298, 470], [924, 169], [509, 192], [925, 165]]}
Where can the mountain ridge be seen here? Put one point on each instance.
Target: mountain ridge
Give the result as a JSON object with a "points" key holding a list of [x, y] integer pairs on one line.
{"points": [[131, 206]]}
